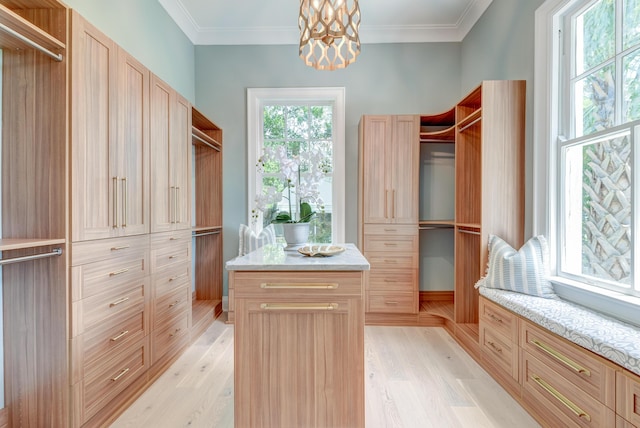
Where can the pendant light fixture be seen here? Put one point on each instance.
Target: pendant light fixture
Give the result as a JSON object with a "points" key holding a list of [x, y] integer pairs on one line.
{"points": [[329, 33]]}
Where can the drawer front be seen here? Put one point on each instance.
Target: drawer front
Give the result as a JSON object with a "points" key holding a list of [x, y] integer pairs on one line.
{"points": [[105, 249], [111, 377], [628, 397], [170, 255], [171, 336], [498, 319], [171, 305], [107, 339], [101, 307], [295, 285], [559, 401], [392, 281], [406, 303], [93, 278], [391, 230], [500, 351], [577, 365], [398, 243], [170, 238], [170, 279], [387, 261]]}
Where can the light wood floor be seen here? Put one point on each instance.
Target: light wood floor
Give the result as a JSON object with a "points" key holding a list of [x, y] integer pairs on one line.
{"points": [[415, 377]]}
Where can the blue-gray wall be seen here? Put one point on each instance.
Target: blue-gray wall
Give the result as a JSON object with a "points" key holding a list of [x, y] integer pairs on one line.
{"points": [[145, 30]]}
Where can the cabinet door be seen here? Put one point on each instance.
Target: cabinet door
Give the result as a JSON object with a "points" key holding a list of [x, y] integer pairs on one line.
{"points": [[93, 133], [133, 146], [403, 160], [180, 161], [299, 367], [162, 186], [376, 190]]}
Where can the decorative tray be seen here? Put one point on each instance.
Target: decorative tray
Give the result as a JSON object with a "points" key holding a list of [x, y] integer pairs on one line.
{"points": [[318, 250]]}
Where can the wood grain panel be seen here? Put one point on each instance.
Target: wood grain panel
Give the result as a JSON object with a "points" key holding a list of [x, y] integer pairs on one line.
{"points": [[375, 135], [403, 152], [467, 273], [208, 262], [628, 397]]}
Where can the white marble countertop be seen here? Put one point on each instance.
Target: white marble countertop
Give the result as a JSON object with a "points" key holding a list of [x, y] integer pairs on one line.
{"points": [[275, 257]]}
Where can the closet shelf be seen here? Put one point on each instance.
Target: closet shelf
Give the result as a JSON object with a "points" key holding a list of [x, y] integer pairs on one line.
{"points": [[15, 23], [470, 120], [443, 309], [7, 244], [447, 135], [196, 229]]}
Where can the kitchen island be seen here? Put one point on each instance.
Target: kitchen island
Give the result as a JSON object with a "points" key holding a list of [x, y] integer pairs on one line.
{"points": [[299, 338]]}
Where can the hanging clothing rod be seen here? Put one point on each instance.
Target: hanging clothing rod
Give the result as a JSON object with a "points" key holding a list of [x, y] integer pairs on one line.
{"points": [[197, 235], [55, 252], [470, 232], [435, 140], [57, 57], [435, 227], [205, 142], [470, 124]]}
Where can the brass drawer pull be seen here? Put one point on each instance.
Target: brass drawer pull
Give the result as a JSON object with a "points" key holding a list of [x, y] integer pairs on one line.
{"points": [[174, 303], [493, 345], [175, 332], [122, 247], [120, 336], [561, 398], [122, 373], [495, 318], [118, 272], [173, 257], [299, 306], [390, 244], [173, 278], [390, 261], [564, 360], [117, 302], [390, 230], [305, 285], [392, 302]]}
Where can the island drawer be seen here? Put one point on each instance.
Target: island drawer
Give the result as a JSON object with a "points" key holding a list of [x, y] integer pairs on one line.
{"points": [[297, 284]]}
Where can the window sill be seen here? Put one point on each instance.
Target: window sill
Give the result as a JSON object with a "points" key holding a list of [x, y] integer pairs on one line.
{"points": [[617, 305]]}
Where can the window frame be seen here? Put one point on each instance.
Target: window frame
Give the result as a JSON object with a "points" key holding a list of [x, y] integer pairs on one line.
{"points": [[334, 96], [548, 51]]}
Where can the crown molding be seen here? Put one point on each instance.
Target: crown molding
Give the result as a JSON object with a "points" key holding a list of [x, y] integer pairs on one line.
{"points": [[290, 35]]}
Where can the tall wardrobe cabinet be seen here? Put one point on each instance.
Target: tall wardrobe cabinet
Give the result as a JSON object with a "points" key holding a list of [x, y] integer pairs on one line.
{"points": [[388, 212]]}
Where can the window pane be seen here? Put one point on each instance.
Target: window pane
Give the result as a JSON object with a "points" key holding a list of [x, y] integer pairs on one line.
{"points": [[595, 35], [597, 209], [631, 75], [273, 122], [297, 122], [595, 101], [321, 124], [631, 23]]}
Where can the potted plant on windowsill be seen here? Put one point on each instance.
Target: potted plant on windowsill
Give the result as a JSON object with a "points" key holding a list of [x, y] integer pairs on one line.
{"points": [[294, 178]]}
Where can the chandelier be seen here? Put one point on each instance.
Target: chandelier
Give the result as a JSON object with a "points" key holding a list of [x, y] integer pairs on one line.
{"points": [[329, 33]]}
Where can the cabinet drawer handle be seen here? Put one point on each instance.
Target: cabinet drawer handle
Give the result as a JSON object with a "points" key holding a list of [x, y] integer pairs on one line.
{"points": [[393, 204], [564, 360], [299, 306], [172, 257], [493, 345], [115, 202], [495, 318], [173, 278], [390, 244], [118, 272], [175, 332], [390, 261], [125, 195], [122, 247], [122, 373], [305, 285], [391, 302], [390, 230], [174, 303], [117, 302], [561, 398], [120, 336]]}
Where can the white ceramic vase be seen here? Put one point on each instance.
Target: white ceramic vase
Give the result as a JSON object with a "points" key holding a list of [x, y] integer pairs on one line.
{"points": [[295, 234]]}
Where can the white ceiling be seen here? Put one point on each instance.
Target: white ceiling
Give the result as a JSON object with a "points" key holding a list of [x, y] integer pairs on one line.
{"points": [[258, 22]]}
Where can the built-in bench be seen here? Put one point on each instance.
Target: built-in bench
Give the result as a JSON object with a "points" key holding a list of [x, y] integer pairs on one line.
{"points": [[608, 337]]}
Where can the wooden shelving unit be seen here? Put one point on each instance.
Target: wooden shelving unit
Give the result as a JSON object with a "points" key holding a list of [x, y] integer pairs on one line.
{"points": [[207, 229]]}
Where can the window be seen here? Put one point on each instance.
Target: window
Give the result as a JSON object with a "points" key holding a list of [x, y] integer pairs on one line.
{"points": [[587, 140], [305, 123]]}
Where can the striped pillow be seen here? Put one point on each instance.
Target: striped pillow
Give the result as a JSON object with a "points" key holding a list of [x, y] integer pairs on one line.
{"points": [[523, 271], [249, 241]]}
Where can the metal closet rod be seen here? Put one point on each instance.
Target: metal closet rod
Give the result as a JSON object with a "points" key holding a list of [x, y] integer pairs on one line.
{"points": [[57, 57], [197, 235], [205, 142], [55, 252]]}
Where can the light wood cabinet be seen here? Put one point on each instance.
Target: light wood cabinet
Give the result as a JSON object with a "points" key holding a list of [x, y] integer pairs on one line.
{"points": [[110, 134], [170, 123], [628, 399], [388, 211], [499, 340], [299, 349]]}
